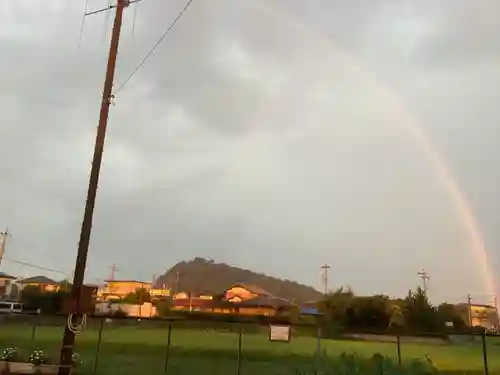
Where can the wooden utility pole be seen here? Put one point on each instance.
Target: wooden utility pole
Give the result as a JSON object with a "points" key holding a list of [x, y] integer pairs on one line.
{"points": [[324, 277], [469, 307], [495, 301], [86, 229], [176, 286], [425, 278], [113, 272], [3, 242]]}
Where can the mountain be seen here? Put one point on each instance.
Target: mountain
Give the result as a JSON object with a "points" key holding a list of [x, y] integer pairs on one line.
{"points": [[201, 276]]}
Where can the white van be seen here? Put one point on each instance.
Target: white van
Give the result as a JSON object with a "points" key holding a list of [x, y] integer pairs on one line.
{"points": [[11, 308]]}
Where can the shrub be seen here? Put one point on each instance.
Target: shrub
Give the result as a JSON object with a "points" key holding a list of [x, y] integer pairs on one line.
{"points": [[37, 357], [11, 354], [351, 364]]}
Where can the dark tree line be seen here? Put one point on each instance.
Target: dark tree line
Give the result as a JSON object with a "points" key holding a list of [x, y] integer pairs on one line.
{"points": [[414, 314]]}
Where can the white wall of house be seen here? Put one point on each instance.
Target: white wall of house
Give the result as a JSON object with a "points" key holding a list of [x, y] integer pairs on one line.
{"points": [[145, 310]]}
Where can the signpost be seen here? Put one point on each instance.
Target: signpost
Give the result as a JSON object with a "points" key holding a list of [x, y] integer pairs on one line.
{"points": [[279, 333]]}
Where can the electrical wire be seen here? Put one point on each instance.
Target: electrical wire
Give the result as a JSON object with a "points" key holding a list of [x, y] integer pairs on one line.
{"points": [[83, 23], [35, 266], [155, 46]]}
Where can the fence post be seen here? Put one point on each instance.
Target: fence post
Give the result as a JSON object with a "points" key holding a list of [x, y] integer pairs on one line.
{"points": [[240, 334], [98, 348], [398, 342], [33, 329], [318, 349], [485, 354], [169, 340]]}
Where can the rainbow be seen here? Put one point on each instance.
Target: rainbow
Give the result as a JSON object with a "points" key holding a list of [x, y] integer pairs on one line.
{"points": [[446, 176]]}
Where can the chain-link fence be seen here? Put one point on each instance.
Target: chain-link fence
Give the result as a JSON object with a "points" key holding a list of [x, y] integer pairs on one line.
{"points": [[154, 346]]}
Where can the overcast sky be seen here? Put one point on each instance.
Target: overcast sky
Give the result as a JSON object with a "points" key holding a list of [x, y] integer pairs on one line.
{"points": [[274, 135]]}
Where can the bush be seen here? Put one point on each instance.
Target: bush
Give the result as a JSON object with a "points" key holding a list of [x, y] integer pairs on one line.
{"points": [[348, 364]]}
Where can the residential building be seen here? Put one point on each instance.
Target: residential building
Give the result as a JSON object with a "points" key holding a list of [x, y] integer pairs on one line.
{"points": [[241, 298], [6, 283], [43, 283], [479, 315], [117, 289], [145, 310]]}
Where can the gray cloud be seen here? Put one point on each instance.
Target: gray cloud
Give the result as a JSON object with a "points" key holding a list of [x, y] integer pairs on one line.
{"points": [[249, 137]]}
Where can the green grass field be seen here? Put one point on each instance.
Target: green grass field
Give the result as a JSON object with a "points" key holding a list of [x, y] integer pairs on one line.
{"points": [[142, 348]]}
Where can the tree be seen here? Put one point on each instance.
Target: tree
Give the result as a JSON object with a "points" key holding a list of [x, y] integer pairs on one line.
{"points": [[138, 297], [164, 306], [369, 313], [420, 315], [335, 305]]}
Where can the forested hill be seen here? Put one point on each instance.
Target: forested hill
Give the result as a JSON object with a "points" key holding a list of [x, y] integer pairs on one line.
{"points": [[205, 276]]}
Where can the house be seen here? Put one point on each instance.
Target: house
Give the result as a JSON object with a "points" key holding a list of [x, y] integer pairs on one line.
{"points": [[117, 289], [250, 299], [146, 310], [478, 315], [244, 292], [6, 285], [44, 284], [159, 292]]}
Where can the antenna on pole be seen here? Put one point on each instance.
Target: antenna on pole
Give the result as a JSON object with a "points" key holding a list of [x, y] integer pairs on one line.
{"points": [[424, 276], [324, 277]]}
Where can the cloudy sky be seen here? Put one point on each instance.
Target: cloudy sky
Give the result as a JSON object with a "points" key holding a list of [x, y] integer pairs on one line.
{"points": [[275, 135]]}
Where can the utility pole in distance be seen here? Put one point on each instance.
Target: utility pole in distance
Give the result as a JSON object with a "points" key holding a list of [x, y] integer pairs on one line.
{"points": [[86, 229], [324, 276], [3, 242], [425, 278], [113, 272]]}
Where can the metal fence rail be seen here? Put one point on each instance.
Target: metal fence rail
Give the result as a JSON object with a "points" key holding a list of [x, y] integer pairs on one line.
{"points": [[158, 346]]}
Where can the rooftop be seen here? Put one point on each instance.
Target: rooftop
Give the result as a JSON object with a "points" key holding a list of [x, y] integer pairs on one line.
{"points": [[38, 280], [253, 289], [128, 281], [5, 276]]}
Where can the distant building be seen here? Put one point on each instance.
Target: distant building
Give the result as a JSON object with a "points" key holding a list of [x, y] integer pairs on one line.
{"points": [[241, 298], [6, 283], [44, 284], [485, 316], [145, 310], [117, 289]]}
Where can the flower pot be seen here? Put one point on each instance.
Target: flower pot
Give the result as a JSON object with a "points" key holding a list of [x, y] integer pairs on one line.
{"points": [[21, 368]]}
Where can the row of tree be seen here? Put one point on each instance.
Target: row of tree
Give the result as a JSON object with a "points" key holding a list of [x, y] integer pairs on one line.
{"points": [[414, 313]]}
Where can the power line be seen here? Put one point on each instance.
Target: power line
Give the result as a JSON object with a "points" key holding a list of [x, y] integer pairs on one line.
{"points": [[35, 266], [153, 49]]}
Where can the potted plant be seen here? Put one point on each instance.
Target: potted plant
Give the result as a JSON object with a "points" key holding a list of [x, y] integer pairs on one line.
{"points": [[12, 363]]}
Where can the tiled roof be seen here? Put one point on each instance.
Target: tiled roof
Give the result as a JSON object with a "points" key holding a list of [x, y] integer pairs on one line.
{"points": [[253, 289], [265, 301], [5, 276], [38, 280]]}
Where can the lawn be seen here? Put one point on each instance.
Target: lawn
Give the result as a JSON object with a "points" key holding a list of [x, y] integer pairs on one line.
{"points": [[142, 348]]}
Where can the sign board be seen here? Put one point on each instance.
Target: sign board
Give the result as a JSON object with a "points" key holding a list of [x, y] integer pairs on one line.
{"points": [[279, 333]]}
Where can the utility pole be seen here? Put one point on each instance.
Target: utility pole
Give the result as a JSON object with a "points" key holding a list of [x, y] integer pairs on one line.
{"points": [[324, 277], [113, 272], [425, 278], [3, 242], [86, 229], [176, 290], [495, 301], [469, 305]]}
